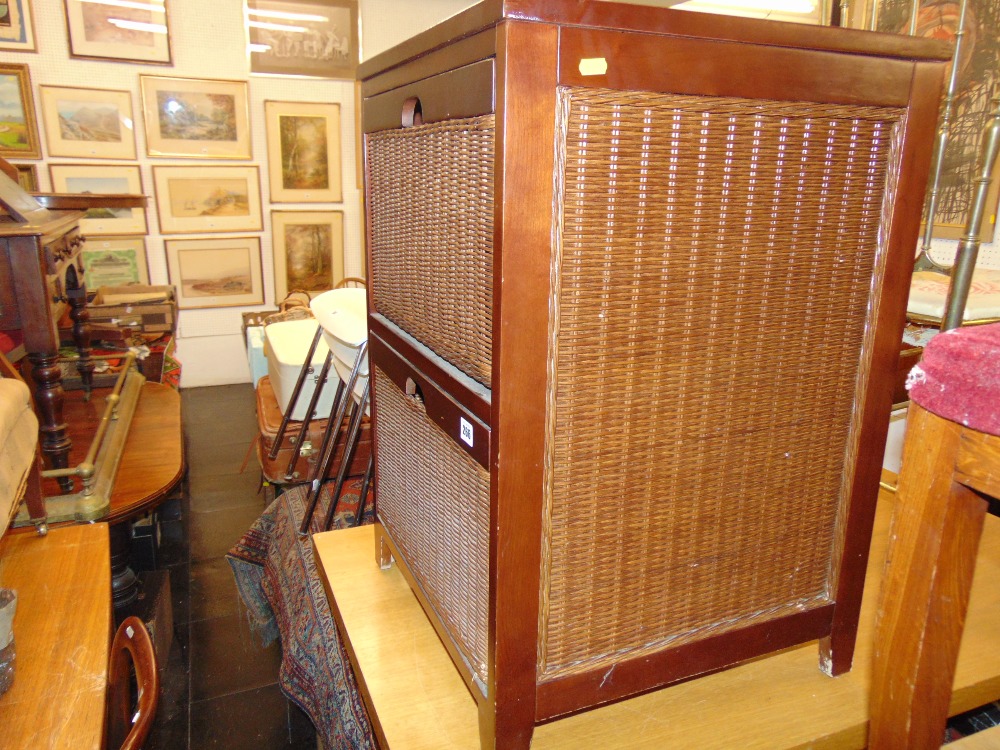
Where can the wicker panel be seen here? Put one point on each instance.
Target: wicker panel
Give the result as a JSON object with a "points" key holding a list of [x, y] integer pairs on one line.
{"points": [[431, 203], [714, 283], [434, 501]]}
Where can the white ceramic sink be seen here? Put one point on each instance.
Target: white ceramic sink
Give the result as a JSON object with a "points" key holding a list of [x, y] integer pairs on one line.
{"points": [[343, 315]]}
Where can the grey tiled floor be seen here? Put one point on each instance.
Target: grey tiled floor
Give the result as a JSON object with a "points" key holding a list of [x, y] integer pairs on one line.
{"points": [[220, 688]]}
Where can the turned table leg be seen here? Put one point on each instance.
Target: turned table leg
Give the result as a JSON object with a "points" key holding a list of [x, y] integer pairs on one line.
{"points": [[76, 294], [47, 376]]}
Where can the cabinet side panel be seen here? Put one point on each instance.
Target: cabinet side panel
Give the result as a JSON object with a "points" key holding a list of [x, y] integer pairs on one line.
{"points": [[717, 276]]}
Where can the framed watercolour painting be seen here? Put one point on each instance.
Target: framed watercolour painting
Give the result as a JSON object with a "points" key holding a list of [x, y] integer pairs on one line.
{"points": [[191, 200], [18, 128], [216, 272], [132, 31], [303, 152], [16, 28], [100, 178], [114, 261], [314, 38], [308, 250], [195, 118], [88, 123]]}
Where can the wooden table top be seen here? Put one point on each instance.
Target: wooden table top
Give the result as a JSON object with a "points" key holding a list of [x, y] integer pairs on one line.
{"points": [[779, 701], [62, 636]]}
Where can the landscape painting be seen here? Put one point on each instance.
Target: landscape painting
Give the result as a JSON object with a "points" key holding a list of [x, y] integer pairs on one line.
{"points": [[103, 179], [303, 150], [121, 30], [18, 129], [88, 123], [308, 250], [216, 273], [196, 118], [210, 199]]}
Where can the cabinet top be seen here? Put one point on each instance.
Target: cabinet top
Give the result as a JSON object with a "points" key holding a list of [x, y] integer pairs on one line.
{"points": [[60, 222], [619, 16]]}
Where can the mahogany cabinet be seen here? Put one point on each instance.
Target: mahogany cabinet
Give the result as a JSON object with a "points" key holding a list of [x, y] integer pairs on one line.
{"points": [[637, 287]]}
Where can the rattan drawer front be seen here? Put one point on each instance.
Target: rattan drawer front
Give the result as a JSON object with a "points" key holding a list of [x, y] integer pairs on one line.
{"points": [[710, 338], [431, 207], [433, 499]]}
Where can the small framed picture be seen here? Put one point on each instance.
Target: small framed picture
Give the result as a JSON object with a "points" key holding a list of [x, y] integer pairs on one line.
{"points": [[18, 127], [216, 272], [308, 250], [88, 123], [195, 118], [303, 152], [313, 38], [132, 31], [16, 28], [27, 177], [193, 200], [114, 261], [103, 178]]}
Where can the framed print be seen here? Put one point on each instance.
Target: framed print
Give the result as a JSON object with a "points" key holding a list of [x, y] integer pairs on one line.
{"points": [[133, 31], [216, 272], [88, 123], [308, 250], [314, 38], [303, 152], [27, 177], [114, 261], [18, 127], [208, 199], [16, 28], [196, 118], [101, 178]]}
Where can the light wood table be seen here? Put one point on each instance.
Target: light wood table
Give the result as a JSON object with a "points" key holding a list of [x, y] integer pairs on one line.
{"points": [[417, 700], [62, 634]]}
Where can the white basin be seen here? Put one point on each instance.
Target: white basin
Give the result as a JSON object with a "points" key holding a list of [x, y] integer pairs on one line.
{"points": [[286, 345], [343, 314]]}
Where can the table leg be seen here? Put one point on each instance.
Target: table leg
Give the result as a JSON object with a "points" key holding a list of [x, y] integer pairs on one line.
{"points": [[47, 377], [76, 294], [124, 582]]}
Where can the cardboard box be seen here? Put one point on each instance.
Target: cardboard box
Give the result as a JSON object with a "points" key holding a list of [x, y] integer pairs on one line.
{"points": [[150, 309]]}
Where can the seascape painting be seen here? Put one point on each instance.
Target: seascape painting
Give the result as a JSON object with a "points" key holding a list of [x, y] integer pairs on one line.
{"points": [[14, 133], [215, 272], [308, 249], [88, 121], [200, 197], [101, 185], [304, 153], [196, 116]]}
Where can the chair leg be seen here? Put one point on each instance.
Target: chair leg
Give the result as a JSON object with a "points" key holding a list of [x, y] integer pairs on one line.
{"points": [[345, 463], [363, 497]]}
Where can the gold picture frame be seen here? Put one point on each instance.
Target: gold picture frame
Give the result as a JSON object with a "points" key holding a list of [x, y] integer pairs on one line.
{"points": [[195, 118], [86, 123], [303, 152], [18, 30], [216, 272], [114, 261], [27, 177], [103, 178], [133, 32], [19, 134], [195, 200], [304, 38], [308, 250]]}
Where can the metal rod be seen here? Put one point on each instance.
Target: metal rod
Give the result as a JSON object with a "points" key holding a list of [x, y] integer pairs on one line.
{"points": [[307, 420], [287, 416], [924, 261], [968, 248], [353, 434]]}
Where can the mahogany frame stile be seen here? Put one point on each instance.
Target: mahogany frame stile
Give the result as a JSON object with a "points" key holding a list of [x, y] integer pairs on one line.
{"points": [[513, 68]]}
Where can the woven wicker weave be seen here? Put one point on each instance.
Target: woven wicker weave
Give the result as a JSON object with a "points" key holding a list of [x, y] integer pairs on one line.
{"points": [[434, 501], [431, 203], [713, 288]]}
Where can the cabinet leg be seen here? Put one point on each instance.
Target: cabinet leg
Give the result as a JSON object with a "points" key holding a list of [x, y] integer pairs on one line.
{"points": [[55, 440]]}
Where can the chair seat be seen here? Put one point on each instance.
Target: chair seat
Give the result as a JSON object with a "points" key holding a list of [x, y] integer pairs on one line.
{"points": [[958, 377], [929, 291], [18, 439]]}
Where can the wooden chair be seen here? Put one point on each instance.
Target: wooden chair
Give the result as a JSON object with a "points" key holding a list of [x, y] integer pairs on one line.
{"points": [[133, 686], [351, 282], [951, 459], [21, 476]]}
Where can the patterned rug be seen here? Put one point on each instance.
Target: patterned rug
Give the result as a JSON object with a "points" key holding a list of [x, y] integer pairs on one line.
{"points": [[277, 579]]}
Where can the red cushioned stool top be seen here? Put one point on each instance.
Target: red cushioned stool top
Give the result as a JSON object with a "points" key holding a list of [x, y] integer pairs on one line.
{"points": [[958, 377]]}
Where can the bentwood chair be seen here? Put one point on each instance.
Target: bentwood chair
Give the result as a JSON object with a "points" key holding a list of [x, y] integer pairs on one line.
{"points": [[133, 686]]}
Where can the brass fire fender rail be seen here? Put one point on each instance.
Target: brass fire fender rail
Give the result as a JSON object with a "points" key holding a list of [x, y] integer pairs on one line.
{"points": [[98, 470]]}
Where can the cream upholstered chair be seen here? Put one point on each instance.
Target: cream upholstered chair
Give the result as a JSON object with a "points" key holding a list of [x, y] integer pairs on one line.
{"points": [[20, 468]]}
